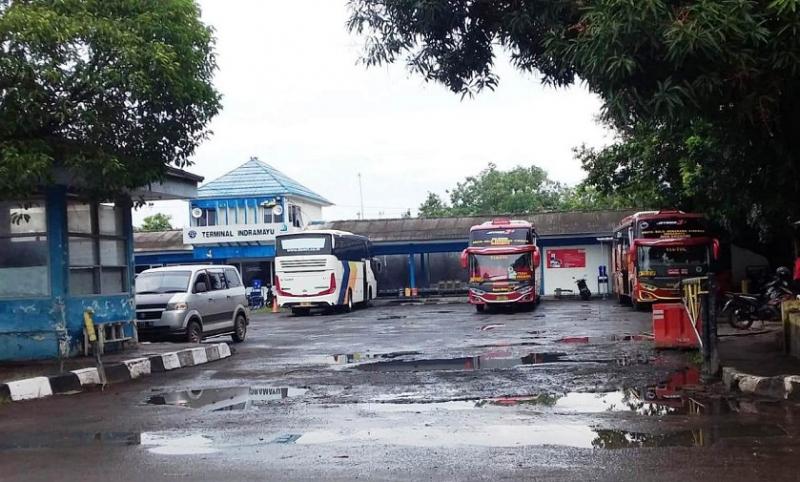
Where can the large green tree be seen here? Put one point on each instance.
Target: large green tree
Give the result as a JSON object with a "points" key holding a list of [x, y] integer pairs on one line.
{"points": [[108, 92], [517, 191], [156, 222], [712, 85]]}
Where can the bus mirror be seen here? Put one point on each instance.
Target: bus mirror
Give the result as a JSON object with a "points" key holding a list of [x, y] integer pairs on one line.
{"points": [[715, 249], [464, 259], [537, 258]]}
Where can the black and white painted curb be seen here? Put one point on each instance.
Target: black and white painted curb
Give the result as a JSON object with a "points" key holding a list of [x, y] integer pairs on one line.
{"points": [[76, 381], [785, 387]]}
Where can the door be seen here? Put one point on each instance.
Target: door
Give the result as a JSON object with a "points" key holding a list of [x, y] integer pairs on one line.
{"points": [[202, 301], [222, 301]]}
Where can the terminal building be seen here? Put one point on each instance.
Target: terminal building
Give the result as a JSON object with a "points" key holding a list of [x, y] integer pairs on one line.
{"points": [[234, 220]]}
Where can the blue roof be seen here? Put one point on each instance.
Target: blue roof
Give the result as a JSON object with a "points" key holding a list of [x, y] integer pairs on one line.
{"points": [[256, 179]]}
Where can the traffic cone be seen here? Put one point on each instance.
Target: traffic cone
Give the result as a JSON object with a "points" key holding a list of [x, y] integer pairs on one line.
{"points": [[275, 305]]}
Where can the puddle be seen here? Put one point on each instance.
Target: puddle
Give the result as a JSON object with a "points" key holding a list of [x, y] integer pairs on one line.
{"points": [[391, 317], [582, 340], [171, 445], [225, 399], [540, 434], [464, 363], [498, 360], [348, 358], [155, 442]]}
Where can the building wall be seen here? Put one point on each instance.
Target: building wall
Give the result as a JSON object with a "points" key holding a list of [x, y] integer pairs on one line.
{"points": [[50, 325], [310, 212], [564, 278]]}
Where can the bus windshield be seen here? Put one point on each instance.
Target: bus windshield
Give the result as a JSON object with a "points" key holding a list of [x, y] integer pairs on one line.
{"points": [[304, 245], [501, 267], [653, 257]]}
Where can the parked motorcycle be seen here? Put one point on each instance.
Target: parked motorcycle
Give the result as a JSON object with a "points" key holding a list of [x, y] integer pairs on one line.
{"points": [[743, 309], [583, 289]]}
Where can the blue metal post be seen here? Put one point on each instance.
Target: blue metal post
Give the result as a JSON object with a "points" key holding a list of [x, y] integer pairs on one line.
{"points": [[412, 275], [423, 268]]}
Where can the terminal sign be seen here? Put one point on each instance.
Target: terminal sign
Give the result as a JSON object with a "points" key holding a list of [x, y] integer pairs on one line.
{"points": [[233, 233]]}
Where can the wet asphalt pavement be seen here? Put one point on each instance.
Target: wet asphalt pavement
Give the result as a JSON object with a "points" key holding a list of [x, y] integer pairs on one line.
{"points": [[571, 391]]}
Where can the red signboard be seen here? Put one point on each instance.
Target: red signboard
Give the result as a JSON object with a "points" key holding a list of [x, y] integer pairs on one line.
{"points": [[566, 258]]}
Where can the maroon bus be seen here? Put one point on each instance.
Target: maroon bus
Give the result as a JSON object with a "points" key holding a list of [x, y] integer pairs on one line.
{"points": [[654, 250], [502, 259]]}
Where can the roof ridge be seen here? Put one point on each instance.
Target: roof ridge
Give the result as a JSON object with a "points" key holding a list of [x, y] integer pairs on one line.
{"points": [[267, 168]]}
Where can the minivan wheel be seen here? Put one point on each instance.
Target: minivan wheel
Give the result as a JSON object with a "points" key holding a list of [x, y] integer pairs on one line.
{"points": [[239, 329], [194, 332]]}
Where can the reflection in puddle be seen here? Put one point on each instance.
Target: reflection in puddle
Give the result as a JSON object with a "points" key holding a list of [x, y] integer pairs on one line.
{"points": [[164, 443], [487, 436], [172, 445], [566, 434], [225, 399], [348, 358], [474, 363]]}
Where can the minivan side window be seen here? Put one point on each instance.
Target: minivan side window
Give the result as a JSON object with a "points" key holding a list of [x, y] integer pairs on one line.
{"points": [[201, 278], [217, 280], [233, 278]]}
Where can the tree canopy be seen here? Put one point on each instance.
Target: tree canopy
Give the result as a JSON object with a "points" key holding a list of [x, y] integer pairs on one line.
{"points": [[703, 94], [156, 222], [521, 190], [109, 92]]}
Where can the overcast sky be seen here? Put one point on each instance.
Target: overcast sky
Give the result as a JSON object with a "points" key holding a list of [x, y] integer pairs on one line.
{"points": [[294, 96]]}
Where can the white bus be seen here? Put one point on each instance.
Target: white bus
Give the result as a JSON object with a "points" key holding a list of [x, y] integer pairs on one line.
{"points": [[324, 269]]}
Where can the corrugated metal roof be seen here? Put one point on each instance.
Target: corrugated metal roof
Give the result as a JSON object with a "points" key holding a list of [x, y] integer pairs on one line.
{"points": [[256, 178], [554, 223], [159, 241]]}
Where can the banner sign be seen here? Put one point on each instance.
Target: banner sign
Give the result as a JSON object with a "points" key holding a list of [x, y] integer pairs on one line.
{"points": [[500, 237], [566, 258], [672, 228], [234, 233]]}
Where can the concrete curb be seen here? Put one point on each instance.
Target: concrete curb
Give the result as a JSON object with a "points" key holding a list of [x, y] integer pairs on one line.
{"points": [[77, 381], [785, 387]]}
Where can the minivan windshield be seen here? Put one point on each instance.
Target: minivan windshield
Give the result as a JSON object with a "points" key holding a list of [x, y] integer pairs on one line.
{"points": [[158, 282]]}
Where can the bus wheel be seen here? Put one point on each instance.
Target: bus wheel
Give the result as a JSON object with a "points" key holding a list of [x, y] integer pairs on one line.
{"points": [[621, 299], [480, 308], [348, 308]]}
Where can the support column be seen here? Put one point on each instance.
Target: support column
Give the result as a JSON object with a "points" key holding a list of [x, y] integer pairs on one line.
{"points": [[424, 271], [412, 274]]}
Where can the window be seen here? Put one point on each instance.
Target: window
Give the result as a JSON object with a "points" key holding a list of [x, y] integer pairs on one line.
{"points": [[98, 260], [233, 278], [23, 250], [295, 216], [201, 279], [217, 280], [208, 218]]}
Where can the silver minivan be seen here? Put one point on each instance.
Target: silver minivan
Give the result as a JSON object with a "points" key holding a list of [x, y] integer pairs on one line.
{"points": [[191, 302]]}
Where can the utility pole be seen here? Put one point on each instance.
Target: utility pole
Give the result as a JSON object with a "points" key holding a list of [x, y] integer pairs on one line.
{"points": [[361, 195]]}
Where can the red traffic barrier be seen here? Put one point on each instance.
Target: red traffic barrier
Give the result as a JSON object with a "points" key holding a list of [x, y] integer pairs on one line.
{"points": [[672, 327]]}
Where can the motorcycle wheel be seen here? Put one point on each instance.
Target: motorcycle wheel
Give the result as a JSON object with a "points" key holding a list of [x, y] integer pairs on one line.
{"points": [[735, 321]]}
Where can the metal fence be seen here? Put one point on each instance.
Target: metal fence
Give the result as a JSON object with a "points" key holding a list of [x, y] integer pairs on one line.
{"points": [[699, 296]]}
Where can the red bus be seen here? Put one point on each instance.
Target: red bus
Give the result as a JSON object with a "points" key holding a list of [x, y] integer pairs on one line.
{"points": [[502, 258], [654, 250]]}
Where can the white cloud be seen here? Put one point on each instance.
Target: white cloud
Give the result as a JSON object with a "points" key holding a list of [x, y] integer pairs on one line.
{"points": [[295, 97]]}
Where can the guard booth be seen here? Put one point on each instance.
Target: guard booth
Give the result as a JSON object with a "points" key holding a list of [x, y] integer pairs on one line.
{"points": [[61, 254]]}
